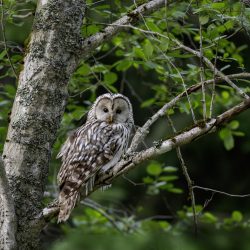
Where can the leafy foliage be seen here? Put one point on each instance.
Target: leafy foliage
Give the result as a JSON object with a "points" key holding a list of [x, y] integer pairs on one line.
{"points": [[146, 64]]}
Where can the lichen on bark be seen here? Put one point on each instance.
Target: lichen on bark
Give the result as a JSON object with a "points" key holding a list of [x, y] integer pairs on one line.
{"points": [[52, 56]]}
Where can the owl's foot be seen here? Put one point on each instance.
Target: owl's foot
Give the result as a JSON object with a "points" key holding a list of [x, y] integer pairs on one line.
{"points": [[105, 187]]}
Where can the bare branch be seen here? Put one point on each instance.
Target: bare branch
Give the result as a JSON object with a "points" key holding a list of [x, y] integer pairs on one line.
{"points": [[183, 138], [202, 76], [213, 88], [142, 132], [7, 213], [92, 42], [221, 192], [102, 212], [213, 68], [187, 176], [134, 159], [190, 50]]}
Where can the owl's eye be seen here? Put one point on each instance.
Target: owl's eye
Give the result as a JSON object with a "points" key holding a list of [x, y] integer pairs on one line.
{"points": [[105, 110], [118, 111]]}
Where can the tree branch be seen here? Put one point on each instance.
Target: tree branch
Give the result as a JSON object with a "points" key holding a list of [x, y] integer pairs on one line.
{"points": [[183, 138], [213, 68], [134, 159], [91, 43], [143, 131], [7, 213], [190, 50], [221, 192]]}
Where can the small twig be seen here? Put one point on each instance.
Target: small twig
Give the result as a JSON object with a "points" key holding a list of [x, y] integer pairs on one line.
{"points": [[221, 192], [184, 86], [208, 201], [213, 86], [194, 52], [92, 42], [187, 177], [143, 131], [102, 212], [125, 165], [132, 182], [213, 68], [5, 42], [202, 74]]}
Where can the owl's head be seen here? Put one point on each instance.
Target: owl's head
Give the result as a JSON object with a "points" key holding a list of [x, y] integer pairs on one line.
{"points": [[112, 108]]}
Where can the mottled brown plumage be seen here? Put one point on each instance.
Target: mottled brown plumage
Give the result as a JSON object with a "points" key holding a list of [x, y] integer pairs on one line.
{"points": [[93, 148]]}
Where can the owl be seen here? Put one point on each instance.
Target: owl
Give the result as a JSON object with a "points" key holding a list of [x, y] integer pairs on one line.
{"points": [[93, 148]]}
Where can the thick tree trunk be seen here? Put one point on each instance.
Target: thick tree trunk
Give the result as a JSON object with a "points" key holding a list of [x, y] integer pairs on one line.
{"points": [[38, 107], [7, 213]]}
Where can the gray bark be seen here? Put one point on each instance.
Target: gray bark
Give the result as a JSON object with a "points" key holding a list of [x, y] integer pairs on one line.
{"points": [[38, 107], [7, 213]]}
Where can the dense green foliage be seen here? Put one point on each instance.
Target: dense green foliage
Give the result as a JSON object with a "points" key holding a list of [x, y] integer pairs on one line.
{"points": [[151, 209]]}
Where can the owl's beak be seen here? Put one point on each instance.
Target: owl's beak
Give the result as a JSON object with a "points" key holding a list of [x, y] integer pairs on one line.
{"points": [[110, 119]]}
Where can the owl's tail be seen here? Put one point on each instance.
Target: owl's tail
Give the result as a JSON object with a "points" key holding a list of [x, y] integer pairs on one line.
{"points": [[66, 204]]}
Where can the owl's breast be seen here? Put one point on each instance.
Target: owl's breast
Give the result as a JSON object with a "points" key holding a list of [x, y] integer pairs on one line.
{"points": [[121, 138]]}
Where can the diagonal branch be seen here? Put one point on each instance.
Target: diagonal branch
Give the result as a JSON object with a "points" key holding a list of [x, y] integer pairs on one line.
{"points": [[213, 68], [92, 42], [190, 50], [221, 192], [132, 161], [181, 139], [143, 131]]}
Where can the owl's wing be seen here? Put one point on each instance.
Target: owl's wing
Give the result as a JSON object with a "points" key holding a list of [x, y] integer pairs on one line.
{"points": [[90, 148], [66, 151]]}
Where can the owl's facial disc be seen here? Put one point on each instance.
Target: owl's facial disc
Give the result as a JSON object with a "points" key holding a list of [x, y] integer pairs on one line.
{"points": [[112, 111]]}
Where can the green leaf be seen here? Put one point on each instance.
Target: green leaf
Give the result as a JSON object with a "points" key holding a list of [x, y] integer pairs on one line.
{"points": [[148, 49], [138, 52], [110, 78], [99, 68], [123, 65], [152, 190], [148, 103], [238, 133], [170, 169], [175, 190], [151, 25], [225, 95], [164, 44], [203, 19], [234, 124], [225, 132], [229, 142], [218, 6], [237, 216], [209, 218], [148, 180], [84, 70], [2, 54], [92, 29], [168, 178], [154, 168], [227, 137], [10, 89]]}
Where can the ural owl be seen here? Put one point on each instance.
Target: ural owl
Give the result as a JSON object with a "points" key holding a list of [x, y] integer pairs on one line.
{"points": [[93, 148]]}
